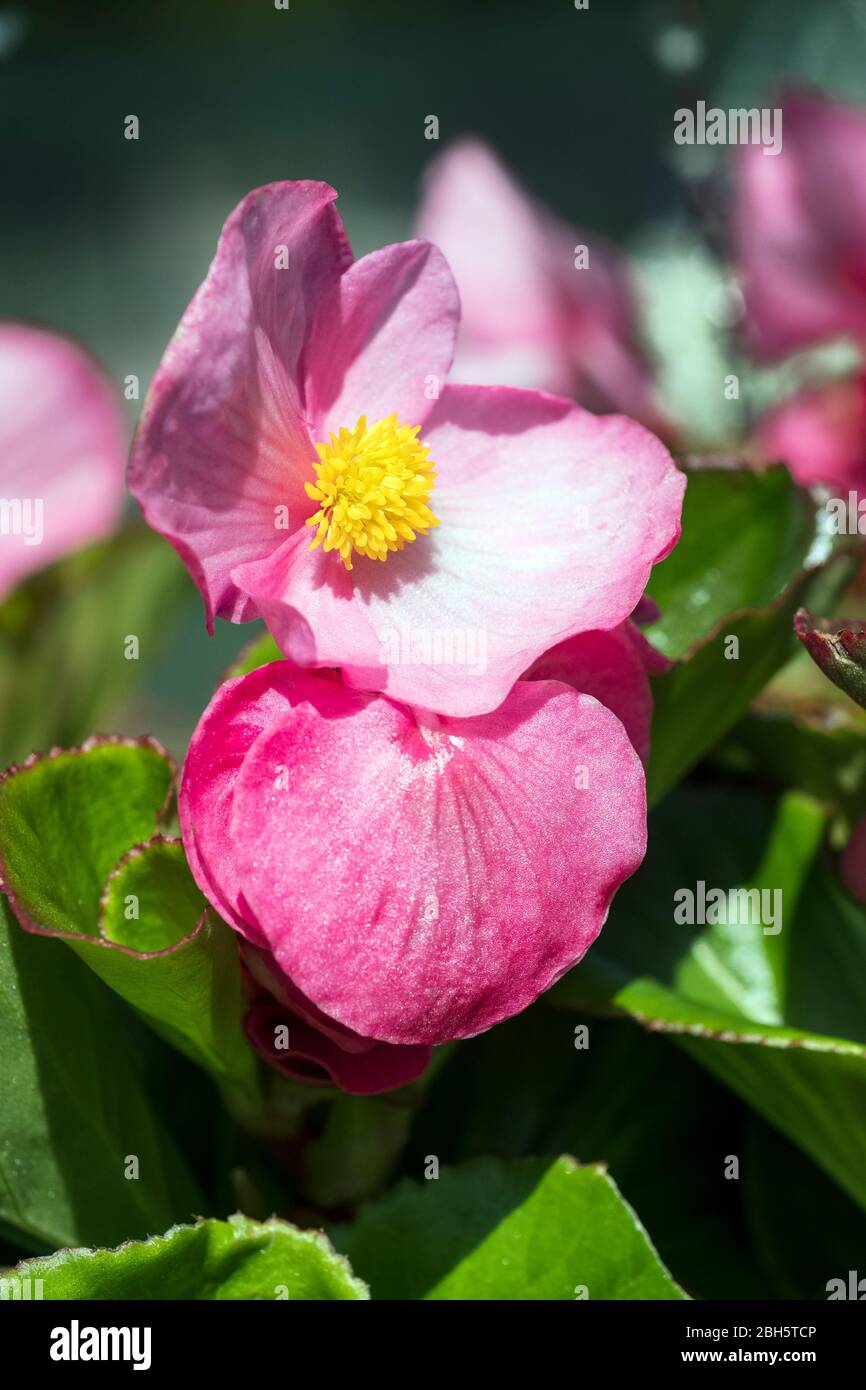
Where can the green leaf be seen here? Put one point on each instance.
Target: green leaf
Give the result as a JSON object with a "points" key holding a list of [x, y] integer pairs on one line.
{"points": [[803, 733], [73, 1108], [545, 1084], [213, 1260], [192, 996], [696, 702], [74, 620], [745, 534], [530, 1229], [826, 759], [151, 900], [76, 852], [779, 1016], [746, 560], [66, 820]]}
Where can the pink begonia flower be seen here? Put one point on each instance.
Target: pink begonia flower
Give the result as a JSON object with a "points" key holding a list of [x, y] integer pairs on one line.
{"points": [[529, 315], [820, 433], [307, 1046], [416, 879], [297, 405], [800, 228], [63, 442]]}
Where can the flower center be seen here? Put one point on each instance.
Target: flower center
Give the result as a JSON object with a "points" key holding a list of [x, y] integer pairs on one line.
{"points": [[373, 486]]}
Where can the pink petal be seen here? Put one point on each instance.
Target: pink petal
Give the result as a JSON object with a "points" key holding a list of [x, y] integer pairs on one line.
{"points": [[551, 521], [529, 316], [820, 434], [320, 1051], [382, 340], [63, 440], [422, 883], [609, 666], [223, 448], [800, 228]]}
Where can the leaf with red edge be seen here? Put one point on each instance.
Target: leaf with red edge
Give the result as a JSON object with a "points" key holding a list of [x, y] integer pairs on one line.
{"points": [[838, 647], [81, 860]]}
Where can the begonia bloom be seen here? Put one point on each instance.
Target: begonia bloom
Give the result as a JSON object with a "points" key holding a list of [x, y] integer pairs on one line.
{"points": [[800, 228], [303, 388], [820, 433]]}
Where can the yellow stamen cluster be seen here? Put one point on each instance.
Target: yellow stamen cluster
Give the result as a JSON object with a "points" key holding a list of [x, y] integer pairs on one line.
{"points": [[373, 486]]}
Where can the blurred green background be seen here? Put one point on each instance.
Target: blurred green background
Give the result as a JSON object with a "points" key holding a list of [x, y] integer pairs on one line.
{"points": [[107, 238]]}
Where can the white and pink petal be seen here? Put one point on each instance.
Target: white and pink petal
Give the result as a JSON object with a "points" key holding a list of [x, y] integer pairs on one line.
{"points": [[382, 339]]}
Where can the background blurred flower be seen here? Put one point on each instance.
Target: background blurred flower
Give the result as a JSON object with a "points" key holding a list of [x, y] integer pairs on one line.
{"points": [[530, 315], [800, 228], [63, 441], [820, 433], [417, 882]]}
